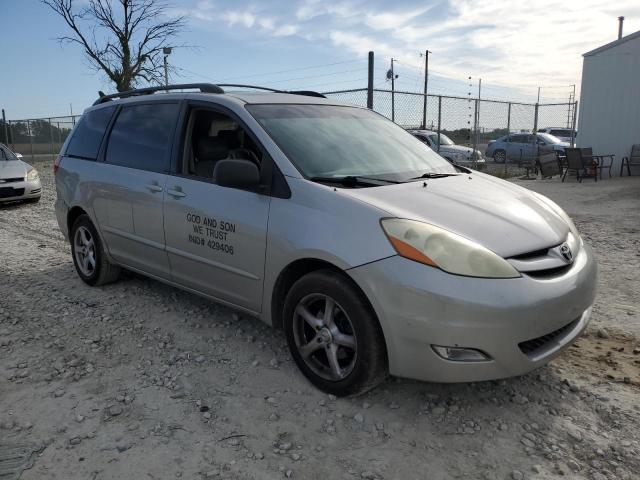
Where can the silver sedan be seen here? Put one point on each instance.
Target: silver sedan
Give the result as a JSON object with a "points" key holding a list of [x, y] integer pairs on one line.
{"points": [[18, 179]]}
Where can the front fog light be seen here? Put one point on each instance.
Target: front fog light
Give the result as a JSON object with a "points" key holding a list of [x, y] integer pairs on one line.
{"points": [[458, 354]]}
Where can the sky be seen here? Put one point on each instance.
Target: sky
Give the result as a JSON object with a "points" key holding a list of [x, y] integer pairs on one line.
{"points": [[514, 46]]}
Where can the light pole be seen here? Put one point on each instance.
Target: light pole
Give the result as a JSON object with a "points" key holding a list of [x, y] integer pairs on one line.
{"points": [[167, 52]]}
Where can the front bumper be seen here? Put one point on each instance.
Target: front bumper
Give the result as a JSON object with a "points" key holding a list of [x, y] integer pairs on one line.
{"points": [[420, 306], [25, 190]]}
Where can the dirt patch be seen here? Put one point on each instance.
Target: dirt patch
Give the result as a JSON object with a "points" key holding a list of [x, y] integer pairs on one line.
{"points": [[140, 380], [615, 358]]}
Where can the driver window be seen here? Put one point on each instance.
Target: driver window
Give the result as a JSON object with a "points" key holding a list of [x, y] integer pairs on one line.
{"points": [[211, 137]]}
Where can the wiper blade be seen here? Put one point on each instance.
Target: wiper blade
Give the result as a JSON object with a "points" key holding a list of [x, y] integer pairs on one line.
{"points": [[353, 181], [434, 175]]}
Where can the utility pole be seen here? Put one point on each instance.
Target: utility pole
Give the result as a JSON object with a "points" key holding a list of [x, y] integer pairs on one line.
{"points": [[426, 80], [166, 51], [538, 101], [370, 83], [6, 132]]}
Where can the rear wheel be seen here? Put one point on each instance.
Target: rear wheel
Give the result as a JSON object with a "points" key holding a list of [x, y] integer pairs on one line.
{"points": [[89, 257], [334, 336], [500, 156]]}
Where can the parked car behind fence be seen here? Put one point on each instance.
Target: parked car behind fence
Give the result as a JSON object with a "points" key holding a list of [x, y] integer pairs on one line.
{"points": [[458, 154], [521, 147]]}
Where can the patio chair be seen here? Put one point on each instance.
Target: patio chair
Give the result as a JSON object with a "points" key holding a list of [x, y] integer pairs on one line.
{"points": [[576, 163], [548, 163], [632, 160]]}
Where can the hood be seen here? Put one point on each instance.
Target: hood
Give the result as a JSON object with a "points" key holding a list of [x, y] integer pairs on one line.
{"points": [[13, 169], [456, 149], [503, 217]]}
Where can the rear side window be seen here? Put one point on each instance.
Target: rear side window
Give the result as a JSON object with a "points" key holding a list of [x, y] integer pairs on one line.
{"points": [[86, 138], [141, 137]]}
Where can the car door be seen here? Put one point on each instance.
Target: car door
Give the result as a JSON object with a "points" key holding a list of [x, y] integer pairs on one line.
{"points": [[516, 147], [216, 236], [129, 188]]}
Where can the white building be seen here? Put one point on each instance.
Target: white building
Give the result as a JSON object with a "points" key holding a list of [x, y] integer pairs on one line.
{"points": [[609, 119]]}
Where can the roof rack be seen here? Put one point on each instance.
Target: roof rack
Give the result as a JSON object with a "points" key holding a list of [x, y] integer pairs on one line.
{"points": [[308, 93], [254, 87], [203, 87]]}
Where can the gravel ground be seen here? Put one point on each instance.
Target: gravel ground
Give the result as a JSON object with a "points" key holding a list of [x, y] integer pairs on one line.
{"points": [[140, 380]]}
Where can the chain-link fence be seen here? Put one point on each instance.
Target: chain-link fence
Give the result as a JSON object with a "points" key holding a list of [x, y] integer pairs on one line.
{"points": [[473, 122], [36, 137], [466, 121]]}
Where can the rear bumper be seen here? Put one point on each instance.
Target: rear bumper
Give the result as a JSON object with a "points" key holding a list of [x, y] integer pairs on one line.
{"points": [[420, 306], [24, 190]]}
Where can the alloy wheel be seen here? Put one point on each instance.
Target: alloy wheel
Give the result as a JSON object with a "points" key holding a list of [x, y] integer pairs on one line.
{"points": [[325, 337], [500, 156], [85, 251]]}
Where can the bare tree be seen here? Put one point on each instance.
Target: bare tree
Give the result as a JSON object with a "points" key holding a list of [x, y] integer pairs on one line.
{"points": [[126, 42]]}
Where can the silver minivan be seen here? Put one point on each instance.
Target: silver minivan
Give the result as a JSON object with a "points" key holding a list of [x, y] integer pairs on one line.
{"points": [[374, 254]]}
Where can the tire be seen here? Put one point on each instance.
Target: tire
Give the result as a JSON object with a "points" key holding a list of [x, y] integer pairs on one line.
{"points": [[92, 267], [500, 156], [351, 335], [32, 200]]}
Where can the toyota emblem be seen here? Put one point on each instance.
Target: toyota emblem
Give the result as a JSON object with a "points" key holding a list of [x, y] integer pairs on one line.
{"points": [[565, 251]]}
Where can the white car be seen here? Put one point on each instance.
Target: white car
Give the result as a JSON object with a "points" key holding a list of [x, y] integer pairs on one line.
{"points": [[18, 179], [458, 154], [564, 134]]}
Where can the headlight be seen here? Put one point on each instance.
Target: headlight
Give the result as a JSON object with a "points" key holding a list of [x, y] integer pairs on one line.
{"points": [[32, 174], [437, 247]]}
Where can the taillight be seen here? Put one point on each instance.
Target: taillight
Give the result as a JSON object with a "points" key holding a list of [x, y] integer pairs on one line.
{"points": [[56, 163]]}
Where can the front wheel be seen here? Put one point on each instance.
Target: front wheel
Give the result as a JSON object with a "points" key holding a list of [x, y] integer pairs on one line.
{"points": [[333, 334], [500, 156], [89, 258]]}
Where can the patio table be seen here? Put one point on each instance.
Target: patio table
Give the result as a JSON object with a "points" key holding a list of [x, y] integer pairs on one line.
{"points": [[601, 163]]}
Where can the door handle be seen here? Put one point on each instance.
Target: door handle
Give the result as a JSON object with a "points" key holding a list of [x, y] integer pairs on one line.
{"points": [[154, 188], [176, 193]]}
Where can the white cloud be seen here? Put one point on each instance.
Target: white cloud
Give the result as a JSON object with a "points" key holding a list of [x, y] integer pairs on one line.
{"points": [[392, 20], [286, 30], [239, 17], [521, 44]]}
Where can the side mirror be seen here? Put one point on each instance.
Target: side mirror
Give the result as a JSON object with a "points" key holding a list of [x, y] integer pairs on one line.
{"points": [[18, 155], [236, 174]]}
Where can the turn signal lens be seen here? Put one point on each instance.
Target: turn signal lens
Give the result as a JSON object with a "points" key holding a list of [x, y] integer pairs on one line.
{"points": [[437, 247]]}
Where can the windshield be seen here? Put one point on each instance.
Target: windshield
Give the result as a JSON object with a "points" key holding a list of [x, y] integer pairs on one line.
{"points": [[561, 133], [6, 154], [335, 141], [548, 138], [444, 140]]}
